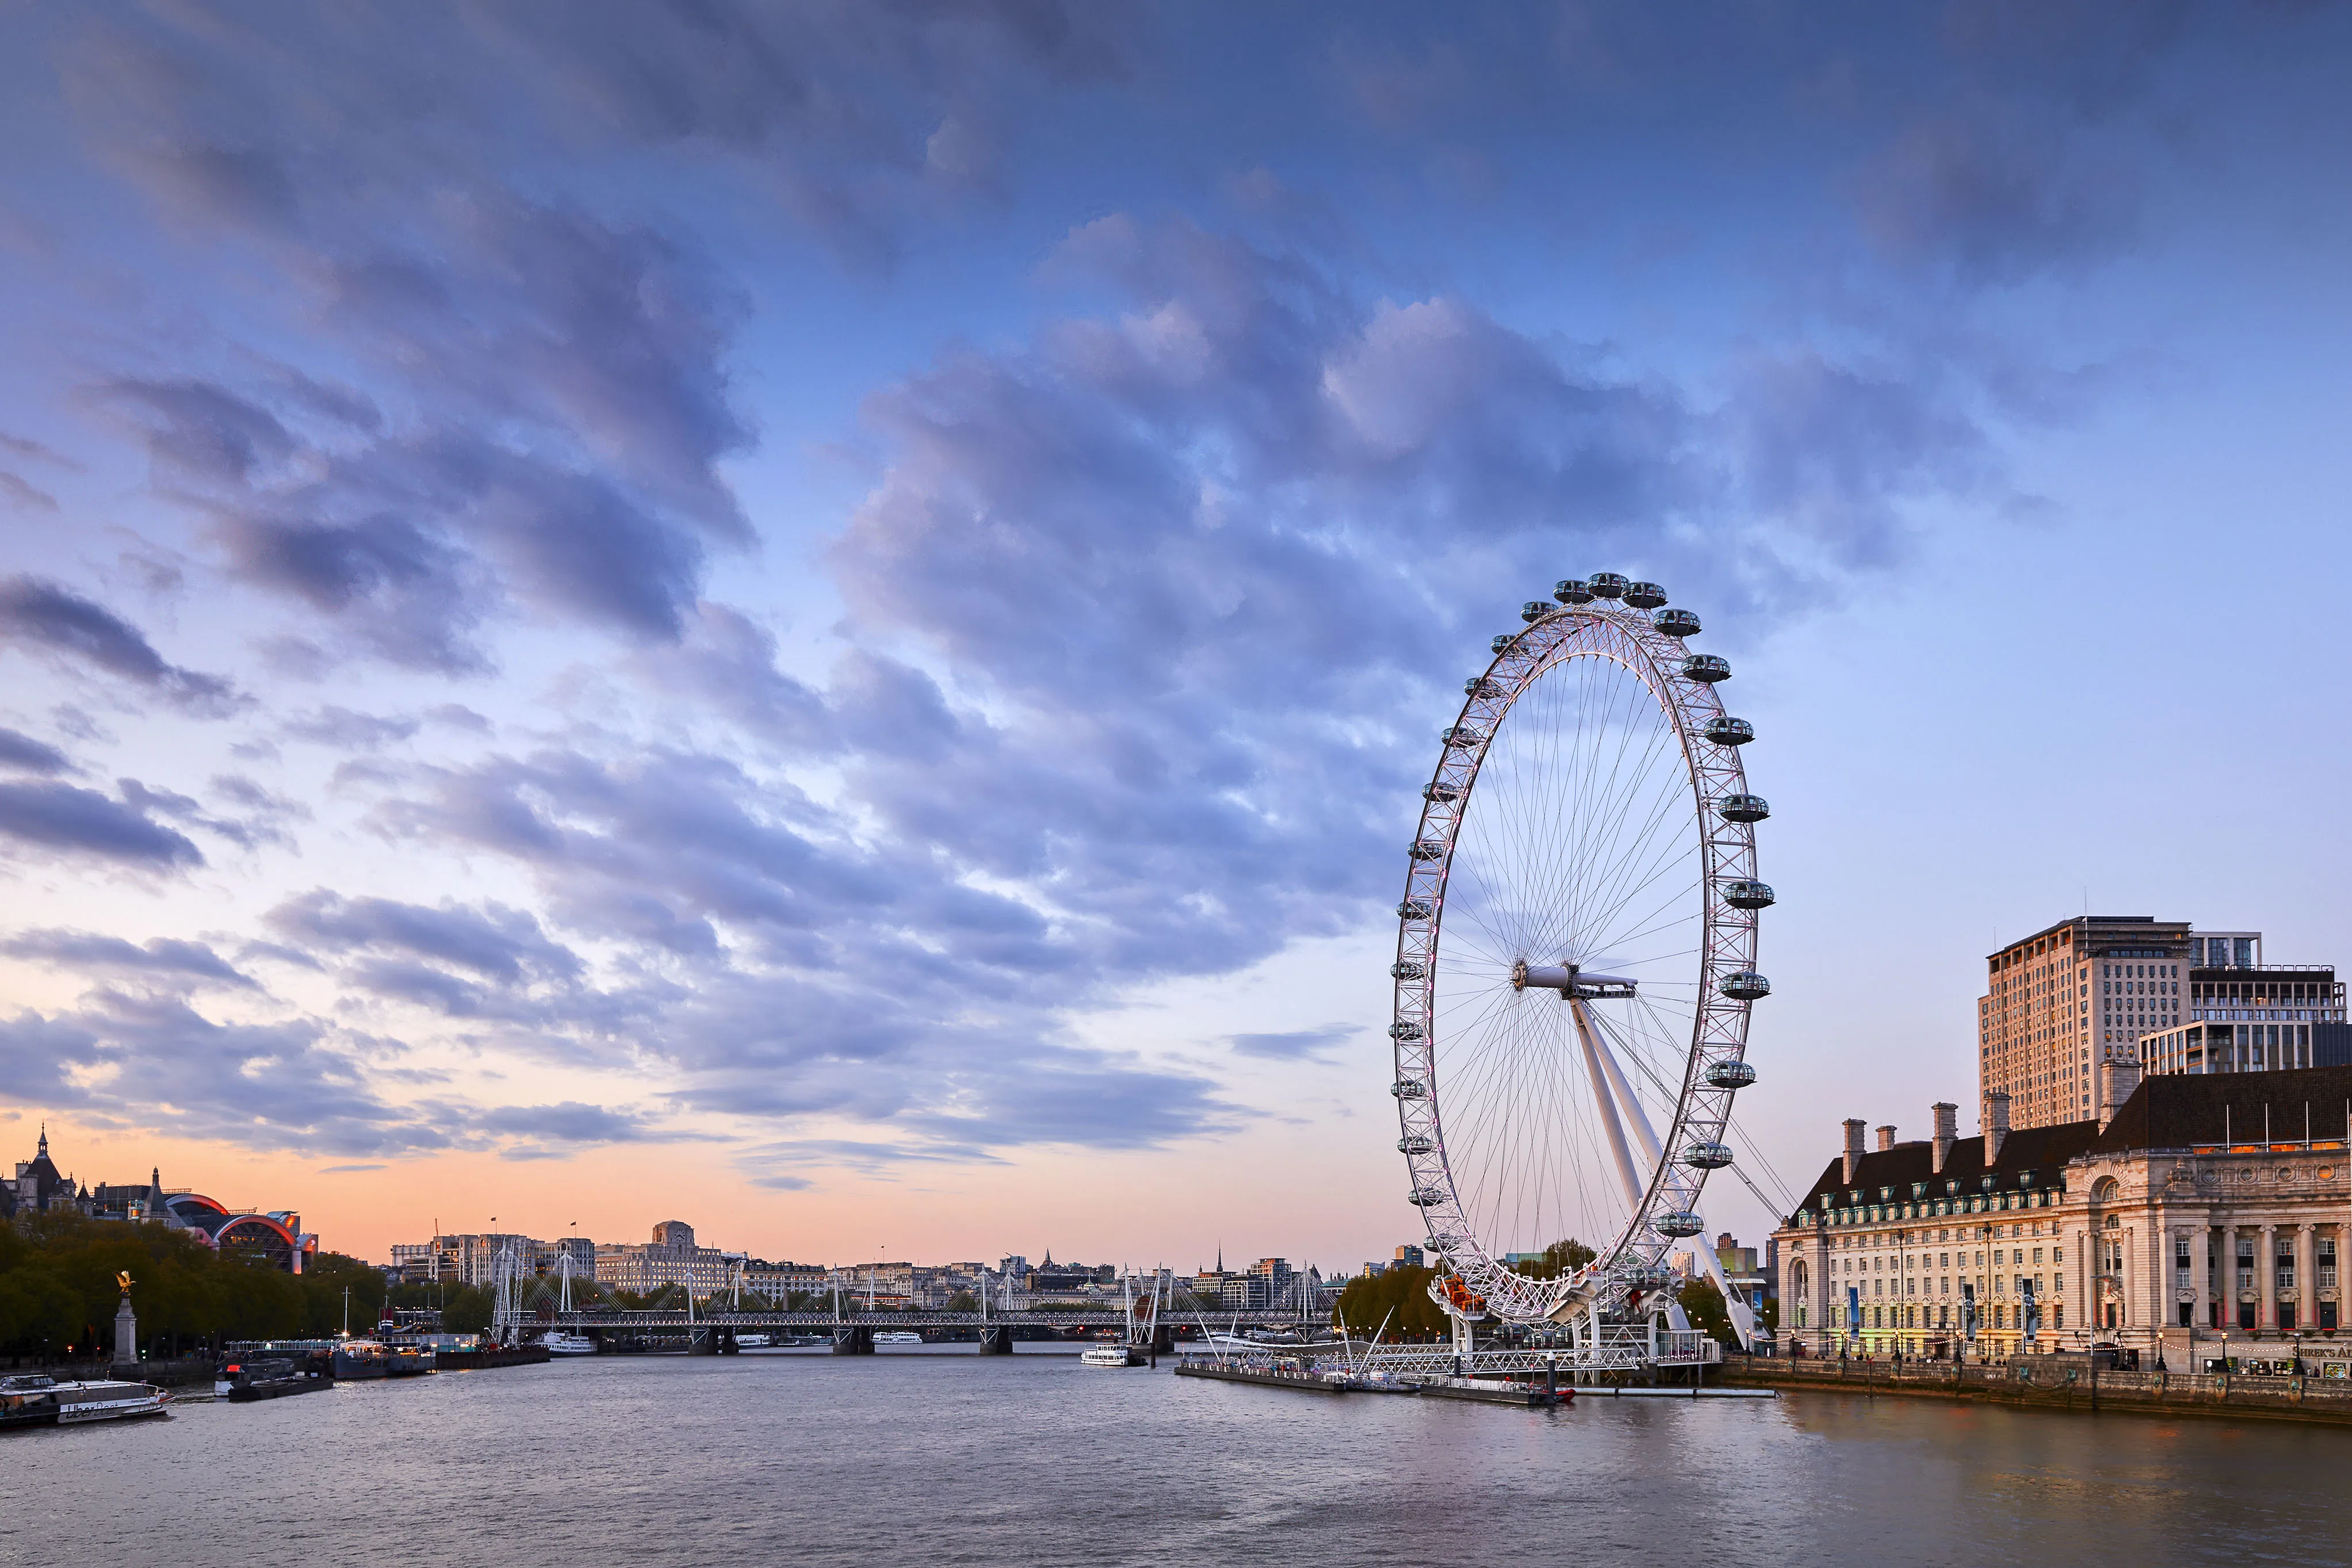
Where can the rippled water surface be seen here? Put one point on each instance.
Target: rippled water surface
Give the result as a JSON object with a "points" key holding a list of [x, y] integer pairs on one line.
{"points": [[946, 1456]]}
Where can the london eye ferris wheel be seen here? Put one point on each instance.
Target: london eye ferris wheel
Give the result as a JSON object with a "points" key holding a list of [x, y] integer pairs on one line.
{"points": [[1576, 957]]}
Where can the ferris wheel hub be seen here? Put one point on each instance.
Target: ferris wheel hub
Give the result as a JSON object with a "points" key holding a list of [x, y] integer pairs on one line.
{"points": [[1570, 979]]}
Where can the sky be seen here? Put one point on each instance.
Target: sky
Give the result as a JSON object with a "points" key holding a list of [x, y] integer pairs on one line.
{"points": [[826, 619]]}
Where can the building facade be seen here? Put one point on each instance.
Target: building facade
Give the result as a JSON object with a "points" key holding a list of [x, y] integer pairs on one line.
{"points": [[2251, 1017], [2197, 1218], [274, 1238], [2069, 997], [778, 1281], [671, 1258]]}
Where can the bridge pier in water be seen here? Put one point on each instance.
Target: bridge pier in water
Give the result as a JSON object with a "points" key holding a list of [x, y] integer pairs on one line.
{"points": [[852, 1338], [996, 1339]]}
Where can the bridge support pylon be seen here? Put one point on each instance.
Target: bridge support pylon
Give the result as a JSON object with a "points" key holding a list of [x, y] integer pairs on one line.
{"points": [[702, 1341], [852, 1338], [996, 1338]]}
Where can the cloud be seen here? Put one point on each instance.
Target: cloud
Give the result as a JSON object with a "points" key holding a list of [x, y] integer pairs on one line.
{"points": [[21, 751], [22, 495], [1294, 1045], [1994, 196], [65, 818], [298, 1085], [347, 731], [169, 959], [294, 1086], [570, 1123], [48, 618], [500, 944]]}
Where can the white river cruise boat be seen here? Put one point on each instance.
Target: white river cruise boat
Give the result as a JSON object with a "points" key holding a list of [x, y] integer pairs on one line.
{"points": [[37, 1400]]}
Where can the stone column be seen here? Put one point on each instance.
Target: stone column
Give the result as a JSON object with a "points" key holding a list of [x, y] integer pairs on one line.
{"points": [[126, 1336], [2201, 1253], [2136, 1316], [2266, 1279], [2306, 1280]]}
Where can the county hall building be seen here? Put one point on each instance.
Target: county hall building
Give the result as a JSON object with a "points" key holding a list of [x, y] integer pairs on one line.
{"points": [[2199, 1216]]}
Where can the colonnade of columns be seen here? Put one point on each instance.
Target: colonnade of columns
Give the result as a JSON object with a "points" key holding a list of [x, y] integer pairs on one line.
{"points": [[2214, 1263]]}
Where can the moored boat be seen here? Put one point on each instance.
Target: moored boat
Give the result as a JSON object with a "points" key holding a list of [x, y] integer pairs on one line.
{"points": [[37, 1400], [243, 1382], [1109, 1355], [897, 1337], [361, 1358], [558, 1342], [407, 1360]]}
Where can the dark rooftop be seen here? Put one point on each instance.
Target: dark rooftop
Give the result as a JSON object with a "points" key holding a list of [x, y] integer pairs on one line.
{"points": [[2177, 1110], [2169, 1111]]}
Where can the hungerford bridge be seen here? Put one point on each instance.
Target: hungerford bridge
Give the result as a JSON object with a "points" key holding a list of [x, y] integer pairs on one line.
{"points": [[1149, 1321]]}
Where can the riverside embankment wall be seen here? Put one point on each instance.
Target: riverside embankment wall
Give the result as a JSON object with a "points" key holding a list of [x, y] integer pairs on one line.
{"points": [[2035, 1384]]}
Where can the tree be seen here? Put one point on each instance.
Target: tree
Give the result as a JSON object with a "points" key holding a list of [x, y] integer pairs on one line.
{"points": [[1703, 1304], [467, 1311], [1399, 1298], [1560, 1258]]}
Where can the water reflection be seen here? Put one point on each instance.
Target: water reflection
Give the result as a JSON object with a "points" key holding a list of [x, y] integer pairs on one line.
{"points": [[959, 1458]]}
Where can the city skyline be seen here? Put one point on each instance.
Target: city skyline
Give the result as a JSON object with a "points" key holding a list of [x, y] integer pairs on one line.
{"points": [[864, 681]]}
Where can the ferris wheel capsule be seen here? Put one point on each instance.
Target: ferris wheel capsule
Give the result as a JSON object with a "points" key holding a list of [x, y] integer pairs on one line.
{"points": [[1747, 895], [1731, 1074], [1726, 730], [1535, 610], [1708, 1156], [1607, 586], [1707, 667], [1742, 809], [1678, 1223], [1674, 623], [1479, 686], [1406, 970], [1645, 595], [1746, 985], [1572, 591]]}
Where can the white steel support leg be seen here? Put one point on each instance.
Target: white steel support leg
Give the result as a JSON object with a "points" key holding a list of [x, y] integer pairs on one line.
{"points": [[1587, 1038], [1602, 1067], [1743, 1317]]}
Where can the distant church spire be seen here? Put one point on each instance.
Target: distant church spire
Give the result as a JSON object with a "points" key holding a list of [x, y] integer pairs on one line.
{"points": [[44, 1146]]}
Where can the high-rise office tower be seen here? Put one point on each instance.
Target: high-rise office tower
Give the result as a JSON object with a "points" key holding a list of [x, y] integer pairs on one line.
{"points": [[2044, 1023]]}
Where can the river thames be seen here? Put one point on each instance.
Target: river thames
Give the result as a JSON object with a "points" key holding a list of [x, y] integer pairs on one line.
{"points": [[946, 1456]]}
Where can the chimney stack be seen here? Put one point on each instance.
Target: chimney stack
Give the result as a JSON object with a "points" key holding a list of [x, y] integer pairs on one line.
{"points": [[2117, 1079], [1947, 1129], [1854, 1126], [1996, 1122], [1885, 1139]]}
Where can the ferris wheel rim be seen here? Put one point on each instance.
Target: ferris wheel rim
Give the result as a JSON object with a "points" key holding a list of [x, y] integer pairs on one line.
{"points": [[1651, 650]]}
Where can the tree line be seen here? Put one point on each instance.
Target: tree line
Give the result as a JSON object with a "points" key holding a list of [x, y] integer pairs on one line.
{"points": [[58, 1294]]}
